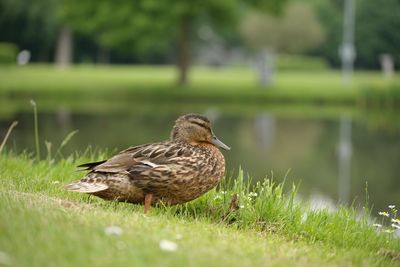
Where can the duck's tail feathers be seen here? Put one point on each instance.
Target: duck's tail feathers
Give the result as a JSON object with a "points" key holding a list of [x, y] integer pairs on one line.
{"points": [[85, 187], [90, 165]]}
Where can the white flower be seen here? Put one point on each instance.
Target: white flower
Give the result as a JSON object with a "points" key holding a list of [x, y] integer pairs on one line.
{"points": [[383, 213], [253, 194], [391, 206], [113, 230], [377, 225], [223, 192], [217, 197], [395, 226], [167, 245], [396, 221], [241, 206]]}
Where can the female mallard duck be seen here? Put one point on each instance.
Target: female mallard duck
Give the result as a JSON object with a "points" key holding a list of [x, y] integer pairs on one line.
{"points": [[175, 171]]}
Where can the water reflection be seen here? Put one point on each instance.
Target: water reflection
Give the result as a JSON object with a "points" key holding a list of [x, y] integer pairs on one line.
{"points": [[265, 130], [262, 144], [344, 159], [63, 116]]}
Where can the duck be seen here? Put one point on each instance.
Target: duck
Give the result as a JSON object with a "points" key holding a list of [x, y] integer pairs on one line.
{"points": [[174, 171]]}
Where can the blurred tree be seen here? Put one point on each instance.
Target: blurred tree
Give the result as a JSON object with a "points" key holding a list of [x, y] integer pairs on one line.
{"points": [[29, 24], [294, 32], [36, 26], [297, 30], [151, 26], [330, 13], [377, 31], [64, 47]]}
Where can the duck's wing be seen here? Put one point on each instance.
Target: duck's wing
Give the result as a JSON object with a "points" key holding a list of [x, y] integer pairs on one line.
{"points": [[115, 164], [145, 160]]}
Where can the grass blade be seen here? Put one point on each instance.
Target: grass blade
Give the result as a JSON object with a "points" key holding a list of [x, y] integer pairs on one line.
{"points": [[15, 123], [36, 129], [66, 140]]}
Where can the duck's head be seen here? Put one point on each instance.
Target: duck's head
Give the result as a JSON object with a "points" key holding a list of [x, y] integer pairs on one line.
{"points": [[195, 129]]}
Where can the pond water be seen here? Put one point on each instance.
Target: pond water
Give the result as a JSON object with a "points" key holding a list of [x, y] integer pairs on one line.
{"points": [[303, 149]]}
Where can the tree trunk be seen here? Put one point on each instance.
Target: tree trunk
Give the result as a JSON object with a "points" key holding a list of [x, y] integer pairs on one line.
{"points": [[64, 49], [184, 51]]}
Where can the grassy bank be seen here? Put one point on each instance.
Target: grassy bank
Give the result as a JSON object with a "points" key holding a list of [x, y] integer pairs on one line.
{"points": [[159, 83], [43, 225], [87, 88], [89, 85]]}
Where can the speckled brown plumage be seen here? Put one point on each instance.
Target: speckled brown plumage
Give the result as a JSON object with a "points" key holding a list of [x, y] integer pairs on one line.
{"points": [[175, 171]]}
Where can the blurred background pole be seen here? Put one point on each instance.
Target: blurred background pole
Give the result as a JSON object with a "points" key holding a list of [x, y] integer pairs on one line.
{"points": [[347, 50], [344, 149]]}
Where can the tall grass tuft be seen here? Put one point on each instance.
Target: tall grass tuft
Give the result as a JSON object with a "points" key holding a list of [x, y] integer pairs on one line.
{"points": [[65, 141], [36, 129], [268, 207]]}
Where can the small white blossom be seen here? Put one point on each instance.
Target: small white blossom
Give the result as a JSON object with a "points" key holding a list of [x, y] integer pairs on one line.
{"points": [[217, 197], [241, 206], [253, 194], [113, 230], [391, 206], [377, 225], [395, 226], [384, 213], [223, 192], [167, 245], [396, 221]]}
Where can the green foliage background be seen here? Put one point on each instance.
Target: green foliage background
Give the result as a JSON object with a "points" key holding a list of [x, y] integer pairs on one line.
{"points": [[146, 30]]}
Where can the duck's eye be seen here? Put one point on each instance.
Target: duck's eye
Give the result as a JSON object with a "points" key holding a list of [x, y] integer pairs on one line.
{"points": [[202, 125]]}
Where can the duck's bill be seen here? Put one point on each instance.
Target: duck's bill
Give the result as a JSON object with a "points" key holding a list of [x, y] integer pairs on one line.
{"points": [[215, 141]]}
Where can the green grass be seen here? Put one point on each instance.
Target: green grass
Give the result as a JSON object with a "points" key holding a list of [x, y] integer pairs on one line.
{"points": [[90, 88], [160, 82], [100, 77], [43, 225]]}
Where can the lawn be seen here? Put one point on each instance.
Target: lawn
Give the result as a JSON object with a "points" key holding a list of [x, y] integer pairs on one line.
{"points": [[110, 88], [227, 83], [43, 225]]}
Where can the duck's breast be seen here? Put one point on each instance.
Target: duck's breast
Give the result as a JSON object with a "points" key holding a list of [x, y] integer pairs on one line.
{"points": [[197, 175]]}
